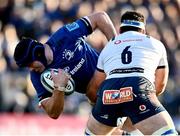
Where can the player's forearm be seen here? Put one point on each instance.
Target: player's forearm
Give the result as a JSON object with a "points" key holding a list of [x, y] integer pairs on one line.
{"points": [[160, 85], [102, 21], [91, 94], [161, 78], [54, 105], [160, 89], [94, 84]]}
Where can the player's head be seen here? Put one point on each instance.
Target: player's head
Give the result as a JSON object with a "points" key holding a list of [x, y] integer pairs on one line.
{"points": [[132, 21], [29, 50]]}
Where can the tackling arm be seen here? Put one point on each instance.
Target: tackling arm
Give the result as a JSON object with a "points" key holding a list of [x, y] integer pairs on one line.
{"points": [[102, 21], [54, 105], [93, 85]]}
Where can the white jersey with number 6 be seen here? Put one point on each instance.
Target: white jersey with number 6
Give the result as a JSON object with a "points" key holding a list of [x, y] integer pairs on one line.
{"points": [[132, 54]]}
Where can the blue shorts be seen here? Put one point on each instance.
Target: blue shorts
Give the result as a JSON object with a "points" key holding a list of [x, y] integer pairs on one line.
{"points": [[125, 97]]}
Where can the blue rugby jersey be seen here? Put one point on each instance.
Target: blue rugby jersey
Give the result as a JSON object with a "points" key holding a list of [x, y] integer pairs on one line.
{"points": [[71, 53]]}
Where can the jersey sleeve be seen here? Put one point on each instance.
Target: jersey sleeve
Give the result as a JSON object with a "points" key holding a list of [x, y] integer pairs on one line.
{"points": [[102, 57], [163, 61], [82, 27], [70, 32], [42, 93]]}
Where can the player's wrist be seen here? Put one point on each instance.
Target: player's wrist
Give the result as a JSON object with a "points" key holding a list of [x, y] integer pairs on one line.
{"points": [[59, 88]]}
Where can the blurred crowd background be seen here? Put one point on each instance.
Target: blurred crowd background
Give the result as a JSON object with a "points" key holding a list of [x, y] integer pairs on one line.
{"points": [[40, 18]]}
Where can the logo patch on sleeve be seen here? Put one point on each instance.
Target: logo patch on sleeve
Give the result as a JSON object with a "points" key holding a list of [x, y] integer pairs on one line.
{"points": [[118, 96], [72, 26]]}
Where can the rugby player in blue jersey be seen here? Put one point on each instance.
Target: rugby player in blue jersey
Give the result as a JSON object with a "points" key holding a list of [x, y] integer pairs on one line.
{"points": [[66, 49]]}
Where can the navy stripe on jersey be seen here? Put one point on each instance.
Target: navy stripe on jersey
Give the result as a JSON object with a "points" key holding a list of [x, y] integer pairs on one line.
{"points": [[159, 67], [127, 70], [100, 70], [87, 24]]}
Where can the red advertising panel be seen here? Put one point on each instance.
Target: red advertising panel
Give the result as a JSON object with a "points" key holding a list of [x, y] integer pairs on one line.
{"points": [[37, 125]]}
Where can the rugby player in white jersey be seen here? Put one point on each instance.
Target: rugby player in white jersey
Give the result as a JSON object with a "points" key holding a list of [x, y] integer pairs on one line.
{"points": [[135, 68]]}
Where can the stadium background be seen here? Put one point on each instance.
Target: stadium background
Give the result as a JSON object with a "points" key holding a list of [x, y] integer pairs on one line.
{"points": [[19, 113]]}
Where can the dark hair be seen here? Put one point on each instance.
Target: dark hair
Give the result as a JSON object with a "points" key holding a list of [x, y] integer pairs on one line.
{"points": [[28, 50], [131, 15]]}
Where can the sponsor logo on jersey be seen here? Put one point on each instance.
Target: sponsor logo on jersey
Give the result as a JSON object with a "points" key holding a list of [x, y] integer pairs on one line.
{"points": [[117, 42], [132, 40], [142, 107], [77, 67], [127, 40], [127, 70], [118, 96], [66, 69]]}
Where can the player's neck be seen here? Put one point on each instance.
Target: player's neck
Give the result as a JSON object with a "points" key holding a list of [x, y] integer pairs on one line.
{"points": [[48, 54]]}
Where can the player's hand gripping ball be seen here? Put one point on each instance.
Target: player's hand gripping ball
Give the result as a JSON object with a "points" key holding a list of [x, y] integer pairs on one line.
{"points": [[48, 84]]}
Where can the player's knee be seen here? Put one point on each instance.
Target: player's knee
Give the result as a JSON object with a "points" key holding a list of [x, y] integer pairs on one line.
{"points": [[166, 130]]}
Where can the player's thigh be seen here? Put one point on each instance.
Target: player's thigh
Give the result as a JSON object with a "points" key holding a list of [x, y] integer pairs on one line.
{"points": [[155, 123], [98, 128], [152, 117]]}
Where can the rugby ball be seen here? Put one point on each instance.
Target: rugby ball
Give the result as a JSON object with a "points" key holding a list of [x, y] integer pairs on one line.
{"points": [[48, 84]]}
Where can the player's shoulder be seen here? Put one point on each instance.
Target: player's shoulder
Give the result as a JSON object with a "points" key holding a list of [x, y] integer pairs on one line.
{"points": [[154, 40]]}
